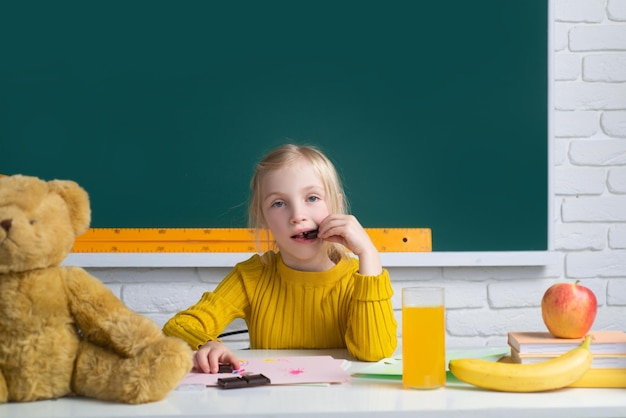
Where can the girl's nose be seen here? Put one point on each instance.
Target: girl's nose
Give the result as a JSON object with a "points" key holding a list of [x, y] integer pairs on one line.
{"points": [[297, 215], [295, 219]]}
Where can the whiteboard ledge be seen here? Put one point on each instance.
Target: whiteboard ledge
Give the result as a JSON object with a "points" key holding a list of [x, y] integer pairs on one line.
{"points": [[470, 259], [432, 259]]}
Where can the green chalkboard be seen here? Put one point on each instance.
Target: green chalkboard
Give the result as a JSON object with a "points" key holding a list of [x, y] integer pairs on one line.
{"points": [[434, 112]]}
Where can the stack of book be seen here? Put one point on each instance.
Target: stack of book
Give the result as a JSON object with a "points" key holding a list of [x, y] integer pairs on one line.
{"points": [[608, 348]]}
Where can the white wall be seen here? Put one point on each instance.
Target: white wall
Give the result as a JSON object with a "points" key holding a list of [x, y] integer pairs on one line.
{"points": [[589, 201]]}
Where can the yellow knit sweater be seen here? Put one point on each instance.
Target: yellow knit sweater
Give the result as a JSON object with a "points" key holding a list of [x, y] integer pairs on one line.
{"points": [[290, 309]]}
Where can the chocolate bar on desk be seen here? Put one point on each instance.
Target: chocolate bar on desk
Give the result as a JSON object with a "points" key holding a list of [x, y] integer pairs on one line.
{"points": [[243, 381]]}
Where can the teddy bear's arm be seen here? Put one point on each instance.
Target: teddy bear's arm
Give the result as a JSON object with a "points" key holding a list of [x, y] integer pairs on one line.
{"points": [[103, 319]]}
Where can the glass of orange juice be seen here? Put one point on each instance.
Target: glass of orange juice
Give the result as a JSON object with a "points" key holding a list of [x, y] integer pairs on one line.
{"points": [[423, 338]]}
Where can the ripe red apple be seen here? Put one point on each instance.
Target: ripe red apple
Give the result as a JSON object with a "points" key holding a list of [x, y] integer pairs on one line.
{"points": [[568, 310]]}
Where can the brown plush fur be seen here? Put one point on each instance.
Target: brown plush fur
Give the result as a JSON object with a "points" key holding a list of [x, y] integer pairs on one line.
{"points": [[62, 332]]}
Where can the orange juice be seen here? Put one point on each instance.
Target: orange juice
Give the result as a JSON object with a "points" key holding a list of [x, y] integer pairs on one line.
{"points": [[423, 347]]}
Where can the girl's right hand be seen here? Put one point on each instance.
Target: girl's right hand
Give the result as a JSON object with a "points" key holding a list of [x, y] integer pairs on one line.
{"points": [[347, 231], [209, 357]]}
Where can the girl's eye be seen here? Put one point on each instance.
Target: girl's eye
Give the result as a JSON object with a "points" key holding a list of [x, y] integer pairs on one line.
{"points": [[313, 198], [278, 204]]}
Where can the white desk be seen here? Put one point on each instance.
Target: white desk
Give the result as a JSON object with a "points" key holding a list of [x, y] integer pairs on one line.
{"points": [[359, 398]]}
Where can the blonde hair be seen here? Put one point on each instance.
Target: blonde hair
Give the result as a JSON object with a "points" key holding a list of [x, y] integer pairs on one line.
{"points": [[288, 154]]}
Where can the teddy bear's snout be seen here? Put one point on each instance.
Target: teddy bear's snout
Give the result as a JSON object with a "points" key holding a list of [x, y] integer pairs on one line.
{"points": [[6, 224]]}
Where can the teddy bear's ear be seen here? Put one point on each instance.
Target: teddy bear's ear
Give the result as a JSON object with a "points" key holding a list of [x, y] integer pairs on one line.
{"points": [[77, 201]]}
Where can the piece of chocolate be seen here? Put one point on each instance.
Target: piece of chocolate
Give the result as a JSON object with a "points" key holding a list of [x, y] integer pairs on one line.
{"points": [[225, 368], [256, 379], [231, 382]]}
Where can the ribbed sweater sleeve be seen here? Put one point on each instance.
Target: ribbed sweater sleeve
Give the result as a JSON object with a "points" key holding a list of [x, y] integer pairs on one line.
{"points": [[372, 328]]}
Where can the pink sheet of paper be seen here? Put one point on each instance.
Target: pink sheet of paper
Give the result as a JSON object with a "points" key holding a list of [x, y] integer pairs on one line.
{"points": [[281, 371]]}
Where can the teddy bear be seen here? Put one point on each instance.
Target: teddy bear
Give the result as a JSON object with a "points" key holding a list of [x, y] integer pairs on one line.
{"points": [[63, 332]]}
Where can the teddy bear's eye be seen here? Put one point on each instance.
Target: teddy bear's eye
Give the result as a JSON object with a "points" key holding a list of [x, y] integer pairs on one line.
{"points": [[32, 221]]}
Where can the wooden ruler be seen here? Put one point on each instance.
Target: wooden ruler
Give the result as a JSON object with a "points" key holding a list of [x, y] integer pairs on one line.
{"points": [[212, 240]]}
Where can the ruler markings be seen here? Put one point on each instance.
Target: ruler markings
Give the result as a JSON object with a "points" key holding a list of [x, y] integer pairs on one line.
{"points": [[226, 240]]}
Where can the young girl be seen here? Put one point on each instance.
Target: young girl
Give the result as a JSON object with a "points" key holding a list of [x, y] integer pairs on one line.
{"points": [[310, 294]]}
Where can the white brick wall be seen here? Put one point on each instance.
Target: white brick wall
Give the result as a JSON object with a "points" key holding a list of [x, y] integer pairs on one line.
{"points": [[614, 123], [590, 150], [589, 194], [616, 10]]}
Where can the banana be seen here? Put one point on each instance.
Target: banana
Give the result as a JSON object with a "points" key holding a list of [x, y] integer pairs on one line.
{"points": [[548, 375], [601, 378]]}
